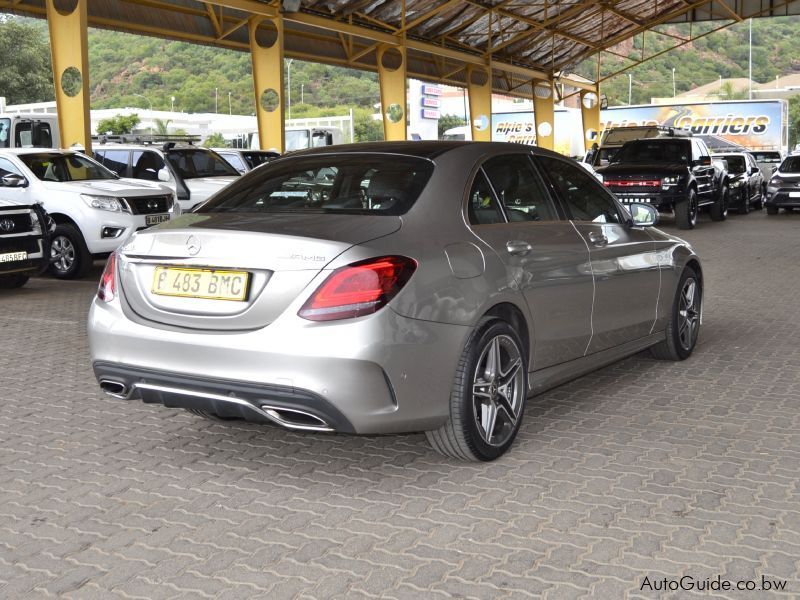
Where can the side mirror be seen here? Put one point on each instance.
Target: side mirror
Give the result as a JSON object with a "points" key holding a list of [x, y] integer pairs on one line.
{"points": [[163, 174], [774, 168], [13, 180], [644, 215]]}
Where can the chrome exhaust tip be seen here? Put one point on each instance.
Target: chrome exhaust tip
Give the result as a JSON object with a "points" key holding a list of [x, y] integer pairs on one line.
{"points": [[292, 418], [115, 389]]}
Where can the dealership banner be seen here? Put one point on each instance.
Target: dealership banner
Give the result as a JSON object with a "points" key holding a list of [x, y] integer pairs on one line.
{"points": [[759, 124], [519, 128]]}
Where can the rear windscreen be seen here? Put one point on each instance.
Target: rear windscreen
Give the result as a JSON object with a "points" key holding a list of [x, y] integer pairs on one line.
{"points": [[332, 183], [767, 157], [658, 151], [736, 164]]}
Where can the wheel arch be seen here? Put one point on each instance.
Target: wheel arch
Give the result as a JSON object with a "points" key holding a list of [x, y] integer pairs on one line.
{"points": [[511, 314], [62, 219]]}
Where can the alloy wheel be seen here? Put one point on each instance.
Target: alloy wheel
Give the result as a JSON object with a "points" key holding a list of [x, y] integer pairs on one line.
{"points": [[62, 253], [497, 390], [688, 314]]}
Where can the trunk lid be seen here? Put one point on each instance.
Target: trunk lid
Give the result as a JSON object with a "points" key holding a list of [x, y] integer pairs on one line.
{"points": [[281, 254]]}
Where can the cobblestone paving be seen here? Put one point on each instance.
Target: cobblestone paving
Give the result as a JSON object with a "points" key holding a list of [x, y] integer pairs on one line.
{"points": [[644, 469]]}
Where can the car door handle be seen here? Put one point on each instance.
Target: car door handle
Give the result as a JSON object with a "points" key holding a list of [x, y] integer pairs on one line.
{"points": [[598, 239], [518, 248]]}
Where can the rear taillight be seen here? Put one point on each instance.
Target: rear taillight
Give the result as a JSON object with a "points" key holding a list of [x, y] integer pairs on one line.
{"points": [[107, 289], [359, 289]]}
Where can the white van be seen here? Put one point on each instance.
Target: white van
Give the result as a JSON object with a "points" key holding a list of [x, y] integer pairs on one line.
{"points": [[34, 130]]}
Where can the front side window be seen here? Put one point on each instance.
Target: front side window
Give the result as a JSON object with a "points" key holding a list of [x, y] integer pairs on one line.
{"points": [[235, 161], [372, 184], [482, 207], [584, 196], [519, 189], [147, 164], [8, 168], [65, 167], [195, 162]]}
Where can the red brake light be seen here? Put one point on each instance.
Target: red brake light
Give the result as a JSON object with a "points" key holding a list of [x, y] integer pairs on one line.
{"points": [[107, 289], [358, 289]]}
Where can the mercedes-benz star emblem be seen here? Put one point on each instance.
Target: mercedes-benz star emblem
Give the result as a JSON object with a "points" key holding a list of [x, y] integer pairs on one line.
{"points": [[193, 246], [6, 225]]}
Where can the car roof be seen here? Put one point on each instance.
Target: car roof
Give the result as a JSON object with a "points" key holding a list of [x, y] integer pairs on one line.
{"points": [[429, 149], [156, 147], [21, 151]]}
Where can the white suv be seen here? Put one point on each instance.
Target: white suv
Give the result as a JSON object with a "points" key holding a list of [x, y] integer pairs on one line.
{"points": [[193, 173], [94, 210]]}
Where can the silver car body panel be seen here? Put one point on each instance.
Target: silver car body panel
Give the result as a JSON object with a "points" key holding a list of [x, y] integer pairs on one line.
{"points": [[391, 371]]}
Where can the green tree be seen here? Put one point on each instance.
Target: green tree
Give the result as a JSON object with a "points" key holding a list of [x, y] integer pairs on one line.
{"points": [[25, 73], [118, 125], [215, 140], [448, 122], [728, 91], [162, 126], [365, 128], [794, 121]]}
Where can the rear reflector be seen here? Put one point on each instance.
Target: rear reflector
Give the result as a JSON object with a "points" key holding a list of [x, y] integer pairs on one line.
{"points": [[107, 289], [358, 289]]}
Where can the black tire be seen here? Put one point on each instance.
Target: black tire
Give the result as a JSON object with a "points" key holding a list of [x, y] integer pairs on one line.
{"points": [[772, 210], [744, 205], [762, 195], [10, 282], [69, 252], [676, 346], [686, 211], [462, 436], [719, 210]]}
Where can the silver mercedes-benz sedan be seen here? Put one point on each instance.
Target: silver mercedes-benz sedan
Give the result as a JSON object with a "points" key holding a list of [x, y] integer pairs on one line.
{"points": [[393, 287]]}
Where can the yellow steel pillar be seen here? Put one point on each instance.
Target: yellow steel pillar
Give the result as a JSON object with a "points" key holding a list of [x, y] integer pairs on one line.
{"points": [[392, 76], [544, 113], [68, 46], [590, 111], [266, 49], [479, 88]]}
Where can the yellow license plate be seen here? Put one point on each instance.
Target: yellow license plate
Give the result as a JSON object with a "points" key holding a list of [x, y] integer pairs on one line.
{"points": [[209, 284]]}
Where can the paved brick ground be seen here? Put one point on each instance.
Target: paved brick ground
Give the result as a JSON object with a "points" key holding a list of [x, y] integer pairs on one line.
{"points": [[643, 469]]}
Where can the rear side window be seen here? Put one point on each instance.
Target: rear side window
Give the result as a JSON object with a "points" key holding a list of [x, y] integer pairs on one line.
{"points": [[116, 160], [235, 161], [334, 183], [482, 208], [519, 189]]}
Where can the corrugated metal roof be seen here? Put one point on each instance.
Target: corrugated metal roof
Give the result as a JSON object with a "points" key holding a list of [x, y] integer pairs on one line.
{"points": [[519, 38]]}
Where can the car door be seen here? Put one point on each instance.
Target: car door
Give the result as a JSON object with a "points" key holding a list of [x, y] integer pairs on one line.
{"points": [[511, 210], [623, 257], [703, 169], [754, 176]]}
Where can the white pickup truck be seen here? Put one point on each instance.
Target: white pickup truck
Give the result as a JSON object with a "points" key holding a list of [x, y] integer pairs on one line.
{"points": [[94, 210]]}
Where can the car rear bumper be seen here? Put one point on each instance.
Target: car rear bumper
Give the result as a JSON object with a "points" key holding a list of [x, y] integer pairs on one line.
{"points": [[379, 374]]}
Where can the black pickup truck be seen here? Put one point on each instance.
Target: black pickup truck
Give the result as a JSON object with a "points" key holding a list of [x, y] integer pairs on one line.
{"points": [[673, 174], [24, 243]]}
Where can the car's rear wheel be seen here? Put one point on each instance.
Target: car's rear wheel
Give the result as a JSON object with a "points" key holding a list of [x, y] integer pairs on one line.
{"points": [[17, 280], [686, 211], [68, 252], [488, 395], [772, 210], [683, 326], [719, 210]]}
